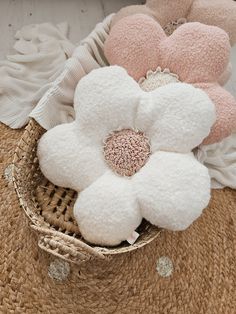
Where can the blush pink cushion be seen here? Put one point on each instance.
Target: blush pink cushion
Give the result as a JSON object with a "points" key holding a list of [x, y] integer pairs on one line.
{"points": [[221, 13], [197, 53], [225, 111]]}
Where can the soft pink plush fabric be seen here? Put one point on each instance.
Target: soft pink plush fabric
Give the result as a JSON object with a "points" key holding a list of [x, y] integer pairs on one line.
{"points": [[197, 53], [221, 13]]}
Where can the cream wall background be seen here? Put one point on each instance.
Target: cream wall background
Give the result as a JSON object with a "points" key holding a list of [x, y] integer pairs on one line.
{"points": [[82, 15]]}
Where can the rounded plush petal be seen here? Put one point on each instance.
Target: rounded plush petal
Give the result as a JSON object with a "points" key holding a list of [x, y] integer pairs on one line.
{"points": [[172, 190], [130, 10], [224, 78], [225, 105], [196, 52], [70, 159], [107, 212], [175, 117], [215, 12], [166, 11], [133, 44], [105, 100]]}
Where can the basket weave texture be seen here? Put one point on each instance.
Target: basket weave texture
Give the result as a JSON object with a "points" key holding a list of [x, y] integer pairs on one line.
{"points": [[203, 280], [50, 208]]}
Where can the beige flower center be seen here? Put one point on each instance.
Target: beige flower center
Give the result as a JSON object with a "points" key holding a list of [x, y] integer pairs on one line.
{"points": [[126, 151], [172, 26], [156, 79]]}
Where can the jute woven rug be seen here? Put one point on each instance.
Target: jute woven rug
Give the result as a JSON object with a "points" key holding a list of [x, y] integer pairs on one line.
{"points": [[186, 272]]}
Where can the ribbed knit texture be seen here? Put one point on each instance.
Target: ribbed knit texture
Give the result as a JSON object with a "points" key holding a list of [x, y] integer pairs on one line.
{"points": [[55, 107], [40, 80], [42, 50]]}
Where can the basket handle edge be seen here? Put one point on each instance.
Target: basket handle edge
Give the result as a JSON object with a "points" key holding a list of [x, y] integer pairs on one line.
{"points": [[65, 247]]}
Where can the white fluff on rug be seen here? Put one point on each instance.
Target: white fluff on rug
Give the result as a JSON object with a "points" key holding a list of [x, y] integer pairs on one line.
{"points": [[129, 155]]}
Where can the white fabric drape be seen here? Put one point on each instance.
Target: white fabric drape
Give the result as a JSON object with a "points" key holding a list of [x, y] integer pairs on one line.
{"points": [[39, 81], [56, 106], [24, 77], [220, 159]]}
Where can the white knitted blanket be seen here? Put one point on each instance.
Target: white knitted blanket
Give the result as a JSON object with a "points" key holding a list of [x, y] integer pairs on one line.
{"points": [[56, 106], [39, 81], [41, 51]]}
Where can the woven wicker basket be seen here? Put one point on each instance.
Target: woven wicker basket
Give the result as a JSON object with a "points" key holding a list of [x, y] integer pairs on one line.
{"points": [[50, 208]]}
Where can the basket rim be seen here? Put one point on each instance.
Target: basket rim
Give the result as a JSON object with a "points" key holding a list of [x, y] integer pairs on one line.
{"points": [[35, 225]]}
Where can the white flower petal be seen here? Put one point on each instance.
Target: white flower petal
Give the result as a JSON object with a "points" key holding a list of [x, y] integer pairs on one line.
{"points": [[105, 100], [107, 211], [172, 190], [176, 117], [70, 159]]}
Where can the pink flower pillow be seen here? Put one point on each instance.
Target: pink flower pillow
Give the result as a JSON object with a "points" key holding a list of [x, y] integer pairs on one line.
{"points": [[171, 13], [195, 53]]}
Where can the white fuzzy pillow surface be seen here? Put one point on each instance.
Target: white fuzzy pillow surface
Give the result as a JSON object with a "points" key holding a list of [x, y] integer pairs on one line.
{"points": [[129, 155]]}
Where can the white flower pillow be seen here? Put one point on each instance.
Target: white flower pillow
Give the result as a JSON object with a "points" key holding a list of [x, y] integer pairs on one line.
{"points": [[129, 154]]}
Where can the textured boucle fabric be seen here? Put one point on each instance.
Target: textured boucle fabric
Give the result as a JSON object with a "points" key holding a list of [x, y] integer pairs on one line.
{"points": [[63, 145], [221, 13], [195, 52], [172, 172], [225, 109], [174, 118], [107, 211], [126, 151]]}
